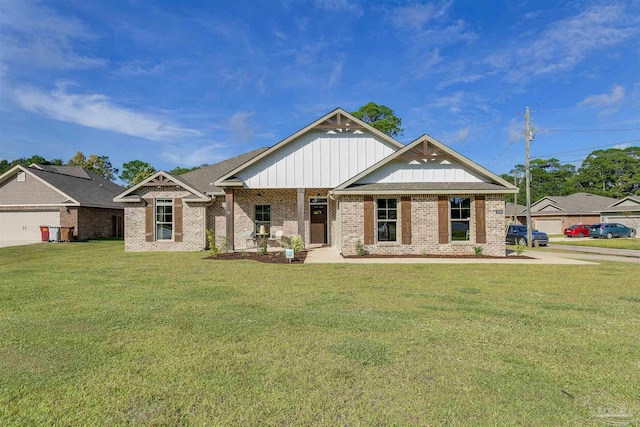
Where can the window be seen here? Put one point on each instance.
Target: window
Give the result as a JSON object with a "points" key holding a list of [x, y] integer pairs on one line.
{"points": [[263, 217], [387, 215], [22, 177], [164, 219], [460, 218]]}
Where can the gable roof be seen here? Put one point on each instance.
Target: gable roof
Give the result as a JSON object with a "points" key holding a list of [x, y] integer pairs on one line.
{"points": [[427, 147], [629, 203], [199, 182], [576, 204], [509, 209], [78, 186], [336, 119]]}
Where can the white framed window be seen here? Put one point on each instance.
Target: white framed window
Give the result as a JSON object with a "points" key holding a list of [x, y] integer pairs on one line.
{"points": [[263, 218], [164, 219], [387, 217], [460, 218]]}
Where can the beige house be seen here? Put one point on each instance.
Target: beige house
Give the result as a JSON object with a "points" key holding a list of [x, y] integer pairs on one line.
{"points": [[337, 181], [58, 196]]}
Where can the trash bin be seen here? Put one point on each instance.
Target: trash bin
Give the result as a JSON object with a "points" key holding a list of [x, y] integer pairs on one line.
{"points": [[66, 233], [44, 232], [54, 234]]}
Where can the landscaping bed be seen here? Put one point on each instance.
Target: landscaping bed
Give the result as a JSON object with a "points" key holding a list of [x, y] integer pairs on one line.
{"points": [[269, 257]]}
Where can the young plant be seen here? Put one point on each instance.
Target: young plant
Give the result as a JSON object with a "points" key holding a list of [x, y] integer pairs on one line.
{"points": [[296, 243], [213, 249], [477, 250], [520, 248], [360, 250]]}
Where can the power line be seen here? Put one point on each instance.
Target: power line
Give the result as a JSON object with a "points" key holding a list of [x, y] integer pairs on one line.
{"points": [[587, 130], [587, 148]]}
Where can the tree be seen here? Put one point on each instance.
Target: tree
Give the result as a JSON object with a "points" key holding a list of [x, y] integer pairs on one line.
{"points": [[548, 178], [136, 171], [5, 165], [380, 117], [179, 170], [97, 164], [614, 172]]}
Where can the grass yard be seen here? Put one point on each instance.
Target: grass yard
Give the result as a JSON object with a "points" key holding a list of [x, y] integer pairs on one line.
{"points": [[94, 336], [619, 243]]}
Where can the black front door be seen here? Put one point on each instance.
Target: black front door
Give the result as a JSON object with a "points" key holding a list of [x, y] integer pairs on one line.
{"points": [[318, 224]]}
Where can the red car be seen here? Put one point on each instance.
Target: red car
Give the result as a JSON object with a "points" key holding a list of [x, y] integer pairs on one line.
{"points": [[578, 230]]}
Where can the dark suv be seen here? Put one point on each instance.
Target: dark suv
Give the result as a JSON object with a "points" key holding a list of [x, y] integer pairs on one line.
{"points": [[517, 234], [611, 230]]}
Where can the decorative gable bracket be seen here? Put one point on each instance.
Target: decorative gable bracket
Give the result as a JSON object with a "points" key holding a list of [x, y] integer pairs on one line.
{"points": [[339, 122], [425, 151]]}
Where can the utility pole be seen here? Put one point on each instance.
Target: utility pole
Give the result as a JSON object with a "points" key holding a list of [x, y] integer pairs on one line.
{"points": [[528, 137], [515, 197]]}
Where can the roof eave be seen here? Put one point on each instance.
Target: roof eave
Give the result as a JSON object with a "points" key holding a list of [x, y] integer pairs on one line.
{"points": [[419, 192]]}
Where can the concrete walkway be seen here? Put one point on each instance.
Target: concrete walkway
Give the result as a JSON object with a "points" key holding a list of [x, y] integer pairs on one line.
{"points": [[595, 250], [330, 255]]}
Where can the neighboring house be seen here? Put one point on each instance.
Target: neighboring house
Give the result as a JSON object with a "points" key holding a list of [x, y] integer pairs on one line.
{"points": [[337, 181], [515, 213], [625, 211], [67, 196], [552, 214]]}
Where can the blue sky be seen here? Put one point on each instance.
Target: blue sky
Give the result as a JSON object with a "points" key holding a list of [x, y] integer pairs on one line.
{"points": [[185, 83]]}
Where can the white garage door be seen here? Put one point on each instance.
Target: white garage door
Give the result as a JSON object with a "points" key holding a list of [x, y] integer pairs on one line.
{"points": [[25, 225], [549, 226], [629, 221]]}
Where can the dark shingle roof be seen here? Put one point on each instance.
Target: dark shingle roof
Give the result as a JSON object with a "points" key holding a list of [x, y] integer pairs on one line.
{"points": [[86, 187], [577, 203], [202, 179]]}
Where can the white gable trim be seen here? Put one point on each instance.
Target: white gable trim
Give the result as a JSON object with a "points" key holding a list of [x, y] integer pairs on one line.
{"points": [[8, 174], [127, 195], [225, 182], [626, 199], [457, 156]]}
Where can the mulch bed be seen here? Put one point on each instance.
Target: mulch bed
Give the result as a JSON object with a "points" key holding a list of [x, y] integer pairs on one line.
{"points": [[439, 256], [269, 258]]}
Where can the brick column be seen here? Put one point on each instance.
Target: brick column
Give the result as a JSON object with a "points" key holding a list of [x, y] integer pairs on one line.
{"points": [[230, 219], [301, 202]]}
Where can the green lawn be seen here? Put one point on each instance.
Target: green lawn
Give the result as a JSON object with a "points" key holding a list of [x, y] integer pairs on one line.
{"points": [[619, 243], [91, 335]]}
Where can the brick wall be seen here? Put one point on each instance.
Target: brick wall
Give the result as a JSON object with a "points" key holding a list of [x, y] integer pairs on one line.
{"points": [[424, 228], [95, 222], [194, 215]]}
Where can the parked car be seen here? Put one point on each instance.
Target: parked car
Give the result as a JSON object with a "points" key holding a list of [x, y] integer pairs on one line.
{"points": [[611, 230], [517, 234], [578, 230]]}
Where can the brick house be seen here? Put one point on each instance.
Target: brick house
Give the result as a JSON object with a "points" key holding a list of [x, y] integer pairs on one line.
{"points": [[337, 181], [63, 196]]}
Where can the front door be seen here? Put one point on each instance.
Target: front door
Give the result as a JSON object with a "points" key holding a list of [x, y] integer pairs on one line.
{"points": [[318, 224]]}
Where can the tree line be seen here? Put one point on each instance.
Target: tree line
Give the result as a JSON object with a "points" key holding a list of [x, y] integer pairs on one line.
{"points": [[133, 172], [614, 172]]}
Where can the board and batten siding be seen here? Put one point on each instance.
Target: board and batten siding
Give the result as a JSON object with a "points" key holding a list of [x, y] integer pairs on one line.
{"points": [[316, 160], [413, 171]]}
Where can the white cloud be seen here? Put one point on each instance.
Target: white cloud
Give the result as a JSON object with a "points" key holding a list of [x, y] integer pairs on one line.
{"points": [[567, 42], [191, 156], [339, 6], [240, 128], [464, 78], [37, 36], [515, 131], [453, 102], [96, 111], [461, 135], [336, 73], [415, 17], [615, 97], [139, 68]]}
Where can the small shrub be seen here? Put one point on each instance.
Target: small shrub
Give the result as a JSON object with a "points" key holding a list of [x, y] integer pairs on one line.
{"points": [[297, 244], [262, 249], [213, 249], [424, 252], [520, 248], [477, 250], [360, 250]]}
